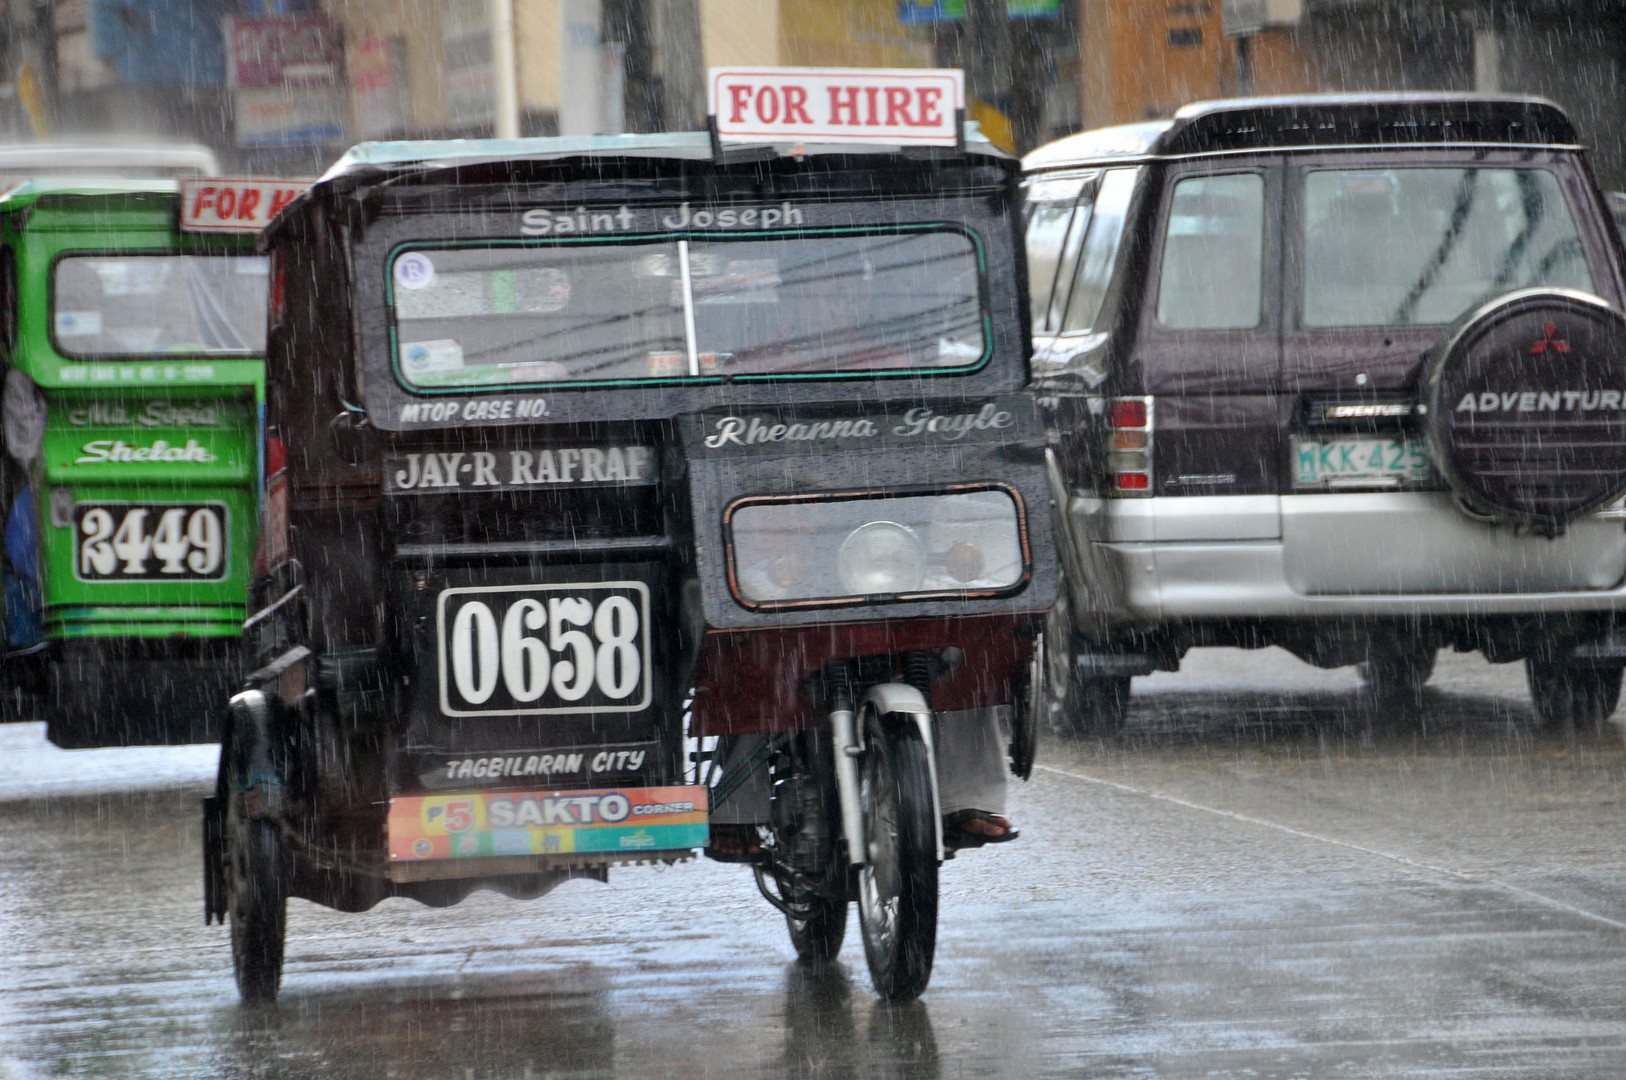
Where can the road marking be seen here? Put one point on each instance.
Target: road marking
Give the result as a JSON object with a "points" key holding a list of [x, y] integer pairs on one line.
{"points": [[1417, 864]]}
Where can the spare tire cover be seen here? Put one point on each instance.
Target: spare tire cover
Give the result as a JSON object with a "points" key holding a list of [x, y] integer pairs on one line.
{"points": [[1527, 406]]}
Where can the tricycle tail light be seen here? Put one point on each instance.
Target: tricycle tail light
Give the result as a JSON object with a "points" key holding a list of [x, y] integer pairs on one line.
{"points": [[964, 561]]}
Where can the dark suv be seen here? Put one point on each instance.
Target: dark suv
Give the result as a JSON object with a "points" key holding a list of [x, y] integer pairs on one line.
{"points": [[1342, 374]]}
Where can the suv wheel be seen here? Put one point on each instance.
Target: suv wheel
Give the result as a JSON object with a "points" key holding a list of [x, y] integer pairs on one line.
{"points": [[1093, 706], [1570, 696], [1078, 706], [1397, 681]]}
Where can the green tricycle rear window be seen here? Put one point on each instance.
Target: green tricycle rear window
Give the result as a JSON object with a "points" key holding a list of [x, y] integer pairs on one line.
{"points": [[159, 305], [760, 306]]}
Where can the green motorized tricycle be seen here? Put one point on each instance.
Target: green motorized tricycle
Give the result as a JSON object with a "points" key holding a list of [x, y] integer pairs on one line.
{"points": [[134, 375]]}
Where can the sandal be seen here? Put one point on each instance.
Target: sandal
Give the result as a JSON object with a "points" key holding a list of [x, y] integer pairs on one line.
{"points": [[958, 838], [734, 844]]}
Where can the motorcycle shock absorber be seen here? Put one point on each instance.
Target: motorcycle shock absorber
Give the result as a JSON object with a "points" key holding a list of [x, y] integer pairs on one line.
{"points": [[840, 700], [919, 670]]}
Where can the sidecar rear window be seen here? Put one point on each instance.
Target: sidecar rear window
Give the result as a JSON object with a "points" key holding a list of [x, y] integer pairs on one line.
{"points": [[127, 305], [760, 306]]}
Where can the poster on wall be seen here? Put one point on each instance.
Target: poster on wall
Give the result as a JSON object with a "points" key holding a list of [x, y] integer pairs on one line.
{"points": [[378, 78], [286, 75], [470, 81], [926, 12]]}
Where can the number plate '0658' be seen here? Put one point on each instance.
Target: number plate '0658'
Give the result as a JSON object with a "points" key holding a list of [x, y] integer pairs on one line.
{"points": [[528, 649], [149, 541]]}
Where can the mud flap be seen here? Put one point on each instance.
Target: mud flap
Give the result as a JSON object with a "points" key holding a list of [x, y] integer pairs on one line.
{"points": [[907, 704], [214, 860]]}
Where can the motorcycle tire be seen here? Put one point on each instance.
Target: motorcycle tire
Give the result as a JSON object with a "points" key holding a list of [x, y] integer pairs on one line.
{"points": [[258, 906], [1031, 702], [897, 885], [817, 939]]}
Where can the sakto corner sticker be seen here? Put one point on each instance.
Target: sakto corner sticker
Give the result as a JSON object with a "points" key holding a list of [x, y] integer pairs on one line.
{"points": [[463, 825]]}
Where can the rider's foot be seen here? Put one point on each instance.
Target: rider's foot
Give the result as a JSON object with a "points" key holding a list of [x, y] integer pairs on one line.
{"points": [[734, 843], [974, 828]]}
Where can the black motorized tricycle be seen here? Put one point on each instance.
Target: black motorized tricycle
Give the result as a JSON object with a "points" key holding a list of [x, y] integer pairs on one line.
{"points": [[611, 481]]}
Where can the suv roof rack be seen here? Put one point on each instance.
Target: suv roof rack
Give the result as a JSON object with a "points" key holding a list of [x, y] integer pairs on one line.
{"points": [[424, 155], [1271, 123]]}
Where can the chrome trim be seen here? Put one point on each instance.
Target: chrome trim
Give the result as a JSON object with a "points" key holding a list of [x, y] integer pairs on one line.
{"points": [[605, 545], [266, 612], [1108, 161], [1182, 517], [275, 669], [1247, 579], [1142, 562], [1331, 543]]}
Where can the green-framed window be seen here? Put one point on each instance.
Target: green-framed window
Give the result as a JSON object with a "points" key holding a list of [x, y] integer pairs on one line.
{"points": [[809, 303]]}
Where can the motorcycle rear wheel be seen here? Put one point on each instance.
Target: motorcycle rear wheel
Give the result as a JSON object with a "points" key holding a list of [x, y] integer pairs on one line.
{"points": [[897, 886]]}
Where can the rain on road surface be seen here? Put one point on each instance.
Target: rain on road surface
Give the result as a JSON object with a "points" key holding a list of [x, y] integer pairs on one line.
{"points": [[1254, 881]]}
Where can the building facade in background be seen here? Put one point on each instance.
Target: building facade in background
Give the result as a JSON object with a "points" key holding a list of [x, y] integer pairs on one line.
{"points": [[284, 85], [1141, 59]]}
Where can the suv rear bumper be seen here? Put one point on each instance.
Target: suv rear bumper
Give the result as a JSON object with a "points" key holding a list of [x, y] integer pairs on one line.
{"points": [[1250, 557]]}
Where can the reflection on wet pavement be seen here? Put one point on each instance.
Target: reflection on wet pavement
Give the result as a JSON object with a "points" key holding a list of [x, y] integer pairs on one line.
{"points": [[1259, 878]]}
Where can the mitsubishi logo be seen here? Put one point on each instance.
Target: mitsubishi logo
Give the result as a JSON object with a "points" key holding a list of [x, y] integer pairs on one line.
{"points": [[1558, 345]]}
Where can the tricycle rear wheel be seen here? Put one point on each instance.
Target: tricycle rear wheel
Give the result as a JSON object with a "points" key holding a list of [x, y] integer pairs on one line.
{"points": [[259, 910], [897, 886]]}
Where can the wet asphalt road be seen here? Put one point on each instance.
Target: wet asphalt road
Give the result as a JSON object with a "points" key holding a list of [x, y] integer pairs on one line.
{"points": [[1259, 879]]}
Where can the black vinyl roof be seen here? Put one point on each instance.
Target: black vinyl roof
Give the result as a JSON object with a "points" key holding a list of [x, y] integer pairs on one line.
{"points": [[1312, 120]]}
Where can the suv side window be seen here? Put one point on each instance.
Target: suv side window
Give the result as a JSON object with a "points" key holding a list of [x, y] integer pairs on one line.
{"points": [[1058, 212], [1212, 274], [1419, 246], [1100, 249]]}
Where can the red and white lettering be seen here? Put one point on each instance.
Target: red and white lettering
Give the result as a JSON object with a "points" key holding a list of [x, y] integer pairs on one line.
{"points": [[905, 106], [203, 199], [767, 105], [234, 206], [283, 197], [796, 105], [844, 101]]}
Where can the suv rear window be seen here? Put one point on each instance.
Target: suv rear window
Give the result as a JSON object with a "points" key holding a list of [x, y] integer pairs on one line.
{"points": [[1396, 247], [847, 302]]}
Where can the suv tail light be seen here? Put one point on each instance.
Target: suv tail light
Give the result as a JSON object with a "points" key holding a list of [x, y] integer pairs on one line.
{"points": [[1129, 445]]}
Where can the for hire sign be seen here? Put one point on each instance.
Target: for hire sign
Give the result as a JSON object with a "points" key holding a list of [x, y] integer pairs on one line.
{"points": [[909, 106]]}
